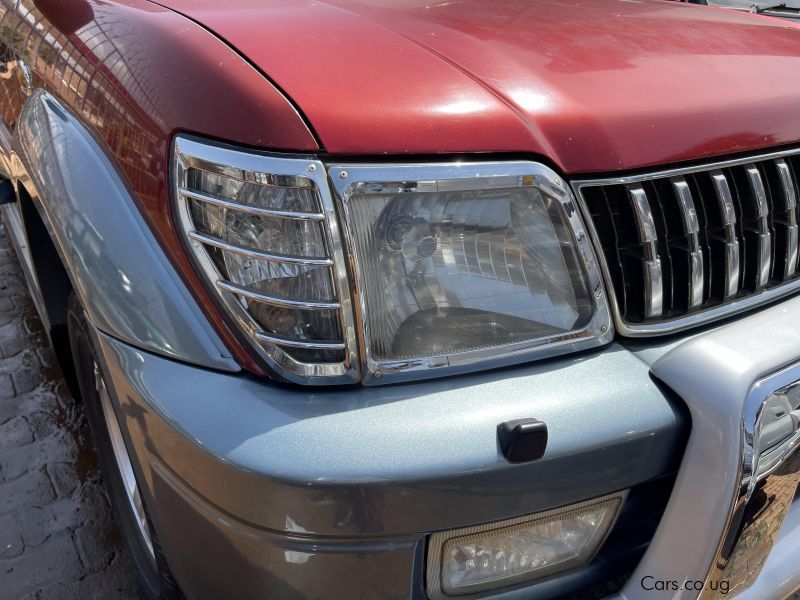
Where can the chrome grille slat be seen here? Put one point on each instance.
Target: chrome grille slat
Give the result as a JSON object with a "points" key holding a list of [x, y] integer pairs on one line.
{"points": [[725, 237], [790, 224], [646, 229], [691, 225], [728, 215], [669, 263], [761, 215]]}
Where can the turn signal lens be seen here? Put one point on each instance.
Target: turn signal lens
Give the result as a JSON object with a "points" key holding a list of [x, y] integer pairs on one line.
{"points": [[259, 230]]}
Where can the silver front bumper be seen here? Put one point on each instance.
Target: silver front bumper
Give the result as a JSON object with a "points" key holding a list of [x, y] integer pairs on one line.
{"points": [[723, 532]]}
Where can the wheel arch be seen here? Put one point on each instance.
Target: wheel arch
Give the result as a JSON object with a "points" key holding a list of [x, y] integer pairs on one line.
{"points": [[84, 232], [52, 282]]}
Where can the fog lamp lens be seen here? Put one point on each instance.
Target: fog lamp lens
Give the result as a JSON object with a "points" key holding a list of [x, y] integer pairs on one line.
{"points": [[533, 547]]}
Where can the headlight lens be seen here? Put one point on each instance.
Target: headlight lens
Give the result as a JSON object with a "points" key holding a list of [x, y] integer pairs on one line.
{"points": [[523, 549], [457, 271], [468, 262]]}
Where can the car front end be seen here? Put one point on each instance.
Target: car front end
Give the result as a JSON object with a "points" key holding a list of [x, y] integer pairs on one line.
{"points": [[438, 301]]}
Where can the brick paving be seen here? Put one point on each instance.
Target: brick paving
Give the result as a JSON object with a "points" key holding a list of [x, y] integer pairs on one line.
{"points": [[58, 539]]}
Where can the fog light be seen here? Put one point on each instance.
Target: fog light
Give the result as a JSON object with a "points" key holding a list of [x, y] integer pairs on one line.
{"points": [[522, 549]]}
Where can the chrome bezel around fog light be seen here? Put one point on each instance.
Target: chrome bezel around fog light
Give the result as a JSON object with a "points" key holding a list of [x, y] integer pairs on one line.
{"points": [[350, 180], [439, 542]]}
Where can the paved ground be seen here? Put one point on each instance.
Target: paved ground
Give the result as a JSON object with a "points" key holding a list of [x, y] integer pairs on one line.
{"points": [[57, 536]]}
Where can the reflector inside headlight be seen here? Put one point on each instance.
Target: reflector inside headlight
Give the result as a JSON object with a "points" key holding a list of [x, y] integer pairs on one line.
{"points": [[452, 270], [521, 549]]}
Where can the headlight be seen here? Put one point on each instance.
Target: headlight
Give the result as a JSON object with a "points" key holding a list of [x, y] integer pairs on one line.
{"points": [[518, 550], [464, 263], [455, 266]]}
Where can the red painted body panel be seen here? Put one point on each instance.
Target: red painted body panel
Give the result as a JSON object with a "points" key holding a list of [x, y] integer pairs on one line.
{"points": [[595, 85], [136, 74]]}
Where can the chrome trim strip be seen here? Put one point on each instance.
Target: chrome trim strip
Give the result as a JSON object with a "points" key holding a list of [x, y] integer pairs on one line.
{"points": [[252, 210], [264, 337], [289, 260], [764, 264], [124, 465], [790, 197], [270, 169], [351, 179], [646, 230], [769, 474], [728, 214], [691, 226], [240, 291], [667, 173], [698, 318]]}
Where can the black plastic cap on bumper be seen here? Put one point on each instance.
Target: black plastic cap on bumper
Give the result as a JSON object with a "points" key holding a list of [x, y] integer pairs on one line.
{"points": [[522, 440]]}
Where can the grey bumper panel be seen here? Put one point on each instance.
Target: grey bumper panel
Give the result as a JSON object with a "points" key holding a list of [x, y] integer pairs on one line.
{"points": [[400, 459]]}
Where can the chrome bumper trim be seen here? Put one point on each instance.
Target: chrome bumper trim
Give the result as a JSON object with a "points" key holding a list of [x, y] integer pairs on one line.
{"points": [[769, 477]]}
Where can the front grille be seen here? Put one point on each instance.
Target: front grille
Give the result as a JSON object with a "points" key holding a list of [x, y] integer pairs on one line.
{"points": [[686, 246]]}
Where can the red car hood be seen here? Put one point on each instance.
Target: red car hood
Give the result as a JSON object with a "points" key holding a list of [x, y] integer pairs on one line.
{"points": [[595, 85]]}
